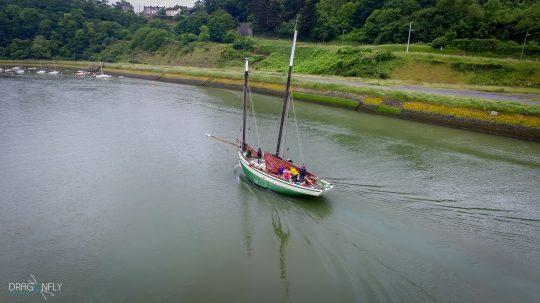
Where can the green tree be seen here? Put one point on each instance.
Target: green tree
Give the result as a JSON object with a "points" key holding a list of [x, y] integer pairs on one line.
{"points": [[20, 49], [380, 21], [204, 33], [155, 39], [42, 48], [191, 23], [307, 18], [230, 36], [220, 22], [139, 36]]}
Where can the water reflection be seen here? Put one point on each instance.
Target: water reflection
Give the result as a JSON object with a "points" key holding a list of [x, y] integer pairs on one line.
{"points": [[283, 210], [246, 218], [281, 231]]}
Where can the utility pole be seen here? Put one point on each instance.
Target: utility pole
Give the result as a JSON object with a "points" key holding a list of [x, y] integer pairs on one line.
{"points": [[379, 67], [523, 47], [342, 36], [409, 39]]}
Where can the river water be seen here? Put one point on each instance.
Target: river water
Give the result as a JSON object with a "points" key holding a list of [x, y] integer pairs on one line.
{"points": [[112, 189]]}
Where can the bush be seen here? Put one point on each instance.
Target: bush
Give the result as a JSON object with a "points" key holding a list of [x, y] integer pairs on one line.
{"points": [[187, 38], [139, 36], [204, 34], [439, 42], [443, 40], [495, 46], [230, 36], [243, 43], [155, 39], [114, 52]]}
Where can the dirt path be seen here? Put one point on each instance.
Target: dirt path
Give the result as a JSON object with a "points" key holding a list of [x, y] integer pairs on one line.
{"points": [[523, 98]]}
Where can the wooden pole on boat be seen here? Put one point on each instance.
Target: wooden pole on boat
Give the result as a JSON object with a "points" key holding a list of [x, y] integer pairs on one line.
{"points": [[287, 96], [244, 106], [222, 140]]}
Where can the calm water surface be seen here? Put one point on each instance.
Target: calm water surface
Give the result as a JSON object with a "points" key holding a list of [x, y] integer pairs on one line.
{"points": [[111, 188]]}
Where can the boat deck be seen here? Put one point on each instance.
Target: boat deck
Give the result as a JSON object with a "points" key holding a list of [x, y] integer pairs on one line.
{"points": [[262, 168]]}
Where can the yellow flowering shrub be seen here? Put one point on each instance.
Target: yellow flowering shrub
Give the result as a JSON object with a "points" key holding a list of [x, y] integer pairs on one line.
{"points": [[516, 119], [373, 101]]}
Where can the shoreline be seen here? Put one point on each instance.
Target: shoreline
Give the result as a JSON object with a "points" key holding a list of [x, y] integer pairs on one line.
{"points": [[345, 101], [515, 125]]}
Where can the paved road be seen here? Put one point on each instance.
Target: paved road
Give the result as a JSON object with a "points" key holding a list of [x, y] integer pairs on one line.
{"points": [[523, 98]]}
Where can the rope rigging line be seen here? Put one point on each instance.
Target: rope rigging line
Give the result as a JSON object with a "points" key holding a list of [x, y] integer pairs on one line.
{"points": [[272, 131], [285, 147], [254, 118], [297, 130]]}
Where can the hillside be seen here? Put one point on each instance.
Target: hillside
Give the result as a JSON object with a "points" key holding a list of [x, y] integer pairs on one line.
{"points": [[387, 62]]}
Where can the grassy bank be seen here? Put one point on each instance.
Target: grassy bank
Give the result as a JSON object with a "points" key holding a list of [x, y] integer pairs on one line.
{"points": [[423, 65], [526, 117]]}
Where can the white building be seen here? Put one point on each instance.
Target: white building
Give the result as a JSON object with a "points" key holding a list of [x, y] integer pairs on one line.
{"points": [[150, 11], [172, 11]]}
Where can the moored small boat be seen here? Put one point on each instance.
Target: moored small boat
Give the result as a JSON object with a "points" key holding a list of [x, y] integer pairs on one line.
{"points": [[101, 75], [41, 71], [81, 73], [54, 72], [18, 70]]}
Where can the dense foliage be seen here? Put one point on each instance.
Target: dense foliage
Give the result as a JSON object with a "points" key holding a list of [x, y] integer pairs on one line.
{"points": [[386, 21], [82, 29], [70, 29]]}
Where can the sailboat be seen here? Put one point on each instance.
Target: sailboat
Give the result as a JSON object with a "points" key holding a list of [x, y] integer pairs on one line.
{"points": [[266, 172], [101, 75], [54, 72], [41, 71]]}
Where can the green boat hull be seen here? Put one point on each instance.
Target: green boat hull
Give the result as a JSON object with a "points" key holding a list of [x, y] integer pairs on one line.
{"points": [[266, 184]]}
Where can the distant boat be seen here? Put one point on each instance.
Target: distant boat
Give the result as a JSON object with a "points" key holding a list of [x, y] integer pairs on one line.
{"points": [[41, 71], [1, 70], [32, 68], [81, 73], [101, 75], [54, 72], [18, 70]]}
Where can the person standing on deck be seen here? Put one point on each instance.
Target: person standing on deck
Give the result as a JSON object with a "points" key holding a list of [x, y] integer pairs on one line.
{"points": [[294, 174], [303, 173], [259, 155]]}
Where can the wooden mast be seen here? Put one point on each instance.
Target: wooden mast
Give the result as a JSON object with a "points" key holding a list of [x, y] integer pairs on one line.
{"points": [[244, 106], [287, 96]]}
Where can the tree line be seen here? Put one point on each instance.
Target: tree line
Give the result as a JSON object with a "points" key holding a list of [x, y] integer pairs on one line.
{"points": [[81, 29], [386, 21]]}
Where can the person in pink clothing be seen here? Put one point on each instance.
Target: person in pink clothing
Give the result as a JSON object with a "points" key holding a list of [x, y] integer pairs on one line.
{"points": [[286, 174]]}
